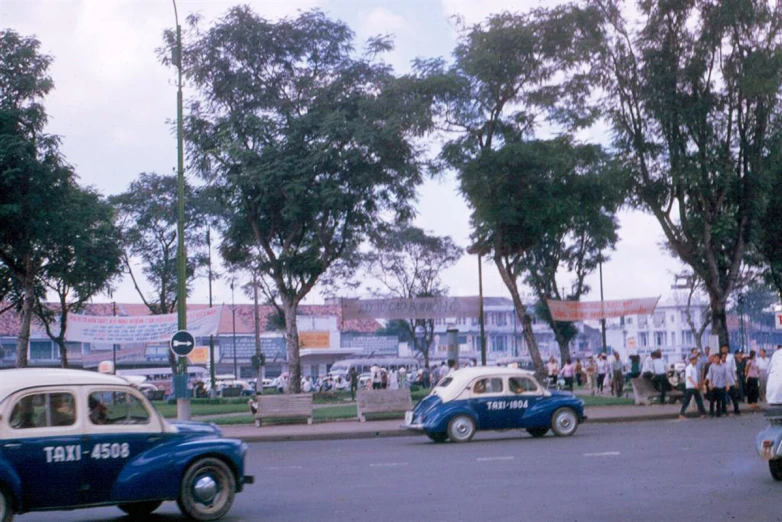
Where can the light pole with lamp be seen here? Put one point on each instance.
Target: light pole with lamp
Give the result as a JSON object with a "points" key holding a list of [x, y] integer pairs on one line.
{"points": [[233, 321]]}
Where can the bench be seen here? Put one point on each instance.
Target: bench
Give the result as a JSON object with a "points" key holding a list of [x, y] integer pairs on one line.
{"points": [[293, 406], [644, 392], [382, 401]]}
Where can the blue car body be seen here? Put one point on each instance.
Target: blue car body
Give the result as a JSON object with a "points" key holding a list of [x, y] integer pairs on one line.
{"points": [[502, 408], [128, 456]]}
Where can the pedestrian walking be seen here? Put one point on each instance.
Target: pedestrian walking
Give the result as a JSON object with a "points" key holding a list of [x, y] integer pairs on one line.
{"points": [[553, 372], [602, 370], [353, 374], [567, 372], [730, 363], [752, 376], [375, 377], [579, 373], [763, 363], [591, 374], [717, 380], [660, 375], [617, 375], [692, 387], [741, 376]]}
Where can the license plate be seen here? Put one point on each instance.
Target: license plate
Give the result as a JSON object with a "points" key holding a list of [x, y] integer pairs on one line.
{"points": [[767, 453], [408, 417]]}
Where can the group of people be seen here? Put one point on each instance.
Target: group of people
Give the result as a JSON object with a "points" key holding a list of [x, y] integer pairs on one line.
{"points": [[725, 379], [598, 373]]}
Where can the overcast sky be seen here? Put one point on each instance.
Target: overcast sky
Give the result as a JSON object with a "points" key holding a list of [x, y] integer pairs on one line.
{"points": [[112, 101]]}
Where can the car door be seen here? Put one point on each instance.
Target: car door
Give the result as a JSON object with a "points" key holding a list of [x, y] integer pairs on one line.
{"points": [[525, 395], [43, 446], [120, 430], [490, 400]]}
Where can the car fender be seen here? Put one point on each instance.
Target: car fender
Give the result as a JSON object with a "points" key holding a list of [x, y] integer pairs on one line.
{"points": [[437, 421], [10, 480], [772, 433], [539, 415], [149, 475]]}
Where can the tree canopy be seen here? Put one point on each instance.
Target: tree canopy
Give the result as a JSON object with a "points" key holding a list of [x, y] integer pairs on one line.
{"points": [[691, 90], [310, 143], [409, 263]]}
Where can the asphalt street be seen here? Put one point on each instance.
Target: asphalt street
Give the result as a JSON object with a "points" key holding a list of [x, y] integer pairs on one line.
{"points": [[676, 470]]}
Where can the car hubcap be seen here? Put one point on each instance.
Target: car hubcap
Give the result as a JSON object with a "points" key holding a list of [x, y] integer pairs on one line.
{"points": [[462, 428], [566, 422], [205, 490]]}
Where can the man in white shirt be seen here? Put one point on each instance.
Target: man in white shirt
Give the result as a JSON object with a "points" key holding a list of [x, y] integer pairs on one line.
{"points": [[660, 378], [730, 363], [763, 363], [692, 387]]}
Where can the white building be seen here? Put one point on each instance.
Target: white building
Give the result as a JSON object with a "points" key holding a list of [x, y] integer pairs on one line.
{"points": [[667, 329]]}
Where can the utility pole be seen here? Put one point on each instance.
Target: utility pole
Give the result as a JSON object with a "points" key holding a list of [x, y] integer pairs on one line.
{"points": [[602, 311], [183, 398]]}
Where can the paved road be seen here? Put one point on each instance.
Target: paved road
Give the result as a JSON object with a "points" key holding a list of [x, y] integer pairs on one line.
{"points": [[660, 470]]}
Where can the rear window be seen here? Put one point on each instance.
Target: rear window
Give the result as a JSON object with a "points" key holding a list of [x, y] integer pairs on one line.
{"points": [[445, 382], [43, 410]]}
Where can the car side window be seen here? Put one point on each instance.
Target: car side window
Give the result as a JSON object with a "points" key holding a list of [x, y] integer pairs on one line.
{"points": [[112, 407], [43, 410], [489, 385], [522, 385]]}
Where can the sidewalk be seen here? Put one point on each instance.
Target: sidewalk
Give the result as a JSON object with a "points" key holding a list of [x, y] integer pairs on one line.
{"points": [[353, 429]]}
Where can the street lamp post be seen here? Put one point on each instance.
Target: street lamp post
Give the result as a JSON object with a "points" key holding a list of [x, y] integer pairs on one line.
{"points": [[475, 250], [602, 311], [183, 403]]}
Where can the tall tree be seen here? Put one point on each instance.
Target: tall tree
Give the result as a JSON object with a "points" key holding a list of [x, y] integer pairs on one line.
{"points": [[147, 219], [544, 207], [85, 257], [409, 263], [308, 142], [506, 73], [33, 177], [769, 237], [691, 90]]}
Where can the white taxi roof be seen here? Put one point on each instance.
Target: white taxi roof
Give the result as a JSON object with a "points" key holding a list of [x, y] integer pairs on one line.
{"points": [[463, 377], [19, 378]]}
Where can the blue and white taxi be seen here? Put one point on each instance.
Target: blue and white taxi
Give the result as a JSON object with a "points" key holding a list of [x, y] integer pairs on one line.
{"points": [[493, 398], [72, 439]]}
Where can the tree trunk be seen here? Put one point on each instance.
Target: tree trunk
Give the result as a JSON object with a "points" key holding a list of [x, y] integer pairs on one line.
{"points": [[524, 319], [63, 353], [719, 322], [26, 316], [564, 345], [292, 345]]}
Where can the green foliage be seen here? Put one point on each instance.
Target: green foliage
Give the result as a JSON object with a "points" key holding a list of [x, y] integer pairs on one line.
{"points": [[691, 95], [147, 218], [408, 263], [309, 144], [54, 235]]}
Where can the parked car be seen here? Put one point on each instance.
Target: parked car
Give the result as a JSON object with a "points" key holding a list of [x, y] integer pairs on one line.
{"points": [[72, 439], [493, 398], [769, 441]]}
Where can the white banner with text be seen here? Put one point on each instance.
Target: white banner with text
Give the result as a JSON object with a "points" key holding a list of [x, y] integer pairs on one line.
{"points": [[580, 311], [140, 328]]}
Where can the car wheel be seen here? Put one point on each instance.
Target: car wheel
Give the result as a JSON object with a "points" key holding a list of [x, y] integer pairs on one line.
{"points": [[6, 506], [438, 437], [135, 509], [537, 432], [775, 467], [564, 422], [461, 428], [207, 490]]}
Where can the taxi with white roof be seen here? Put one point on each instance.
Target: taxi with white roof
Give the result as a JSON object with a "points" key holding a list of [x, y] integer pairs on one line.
{"points": [[71, 439], [493, 398]]}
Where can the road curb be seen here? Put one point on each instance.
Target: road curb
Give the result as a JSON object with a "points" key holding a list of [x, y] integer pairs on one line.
{"points": [[260, 437]]}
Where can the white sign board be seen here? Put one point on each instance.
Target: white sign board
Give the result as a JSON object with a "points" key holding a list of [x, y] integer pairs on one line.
{"points": [[778, 320], [140, 328]]}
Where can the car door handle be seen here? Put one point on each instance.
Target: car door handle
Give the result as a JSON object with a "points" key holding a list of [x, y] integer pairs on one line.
{"points": [[13, 445], [154, 438]]}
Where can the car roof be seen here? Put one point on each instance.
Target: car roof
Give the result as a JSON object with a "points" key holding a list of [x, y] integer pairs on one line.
{"points": [[463, 377], [16, 379]]}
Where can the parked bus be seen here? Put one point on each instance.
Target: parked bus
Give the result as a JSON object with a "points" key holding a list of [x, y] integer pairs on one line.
{"points": [[342, 368]]}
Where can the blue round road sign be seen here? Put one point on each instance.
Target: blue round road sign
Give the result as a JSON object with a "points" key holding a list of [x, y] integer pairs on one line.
{"points": [[182, 343]]}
